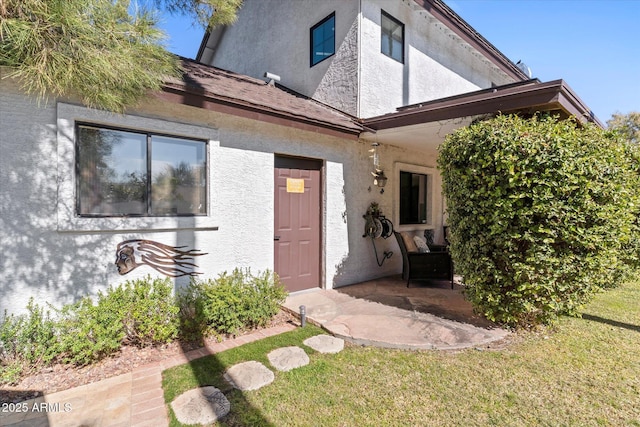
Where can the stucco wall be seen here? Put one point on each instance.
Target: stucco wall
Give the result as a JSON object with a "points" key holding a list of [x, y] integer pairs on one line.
{"points": [[339, 84], [273, 36], [51, 255], [436, 64]]}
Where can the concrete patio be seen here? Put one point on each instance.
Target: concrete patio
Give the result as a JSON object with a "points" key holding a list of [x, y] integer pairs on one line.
{"points": [[385, 313]]}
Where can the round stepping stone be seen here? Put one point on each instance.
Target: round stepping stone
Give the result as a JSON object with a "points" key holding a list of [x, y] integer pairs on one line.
{"points": [[325, 343], [288, 358], [204, 405], [249, 375]]}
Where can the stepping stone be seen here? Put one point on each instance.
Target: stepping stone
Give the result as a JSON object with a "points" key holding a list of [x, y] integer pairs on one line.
{"points": [[204, 405], [325, 343], [249, 375], [288, 358]]}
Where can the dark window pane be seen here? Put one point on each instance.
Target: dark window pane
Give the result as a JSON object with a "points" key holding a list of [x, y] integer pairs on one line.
{"points": [[414, 198], [114, 178], [112, 172], [392, 37], [178, 182], [323, 40]]}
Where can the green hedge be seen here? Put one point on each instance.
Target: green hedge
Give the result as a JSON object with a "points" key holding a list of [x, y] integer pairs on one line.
{"points": [[543, 214]]}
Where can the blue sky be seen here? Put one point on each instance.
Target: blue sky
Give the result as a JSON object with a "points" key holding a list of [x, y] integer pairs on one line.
{"points": [[594, 45]]}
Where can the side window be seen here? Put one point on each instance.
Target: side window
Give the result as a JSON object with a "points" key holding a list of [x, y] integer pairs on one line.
{"points": [[323, 39], [128, 173], [415, 198], [392, 37]]}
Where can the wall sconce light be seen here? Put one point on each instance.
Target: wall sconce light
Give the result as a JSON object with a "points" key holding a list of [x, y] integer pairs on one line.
{"points": [[379, 178]]}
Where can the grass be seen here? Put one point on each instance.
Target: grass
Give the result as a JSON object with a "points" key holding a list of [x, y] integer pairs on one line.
{"points": [[583, 372]]}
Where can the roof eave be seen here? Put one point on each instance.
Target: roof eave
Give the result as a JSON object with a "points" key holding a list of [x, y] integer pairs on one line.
{"points": [[466, 32], [187, 96], [530, 98], [203, 45], [210, 43]]}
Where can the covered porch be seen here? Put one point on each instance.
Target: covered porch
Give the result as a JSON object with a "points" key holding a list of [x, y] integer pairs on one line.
{"points": [[405, 146], [430, 314]]}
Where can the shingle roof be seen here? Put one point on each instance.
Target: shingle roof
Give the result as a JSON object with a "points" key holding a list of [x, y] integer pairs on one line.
{"points": [[209, 87]]}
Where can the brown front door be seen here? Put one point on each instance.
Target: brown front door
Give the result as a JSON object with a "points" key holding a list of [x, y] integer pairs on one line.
{"points": [[297, 222]]}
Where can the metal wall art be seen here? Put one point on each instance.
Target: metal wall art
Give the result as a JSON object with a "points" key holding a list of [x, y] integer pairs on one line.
{"points": [[171, 261]]}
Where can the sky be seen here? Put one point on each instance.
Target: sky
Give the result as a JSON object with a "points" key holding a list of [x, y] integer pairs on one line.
{"points": [[593, 45]]}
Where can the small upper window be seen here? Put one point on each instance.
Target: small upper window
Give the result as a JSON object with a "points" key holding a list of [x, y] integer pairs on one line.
{"points": [[392, 40], [415, 198], [323, 39], [123, 173]]}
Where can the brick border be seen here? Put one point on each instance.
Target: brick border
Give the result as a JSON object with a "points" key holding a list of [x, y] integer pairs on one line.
{"points": [[147, 397]]}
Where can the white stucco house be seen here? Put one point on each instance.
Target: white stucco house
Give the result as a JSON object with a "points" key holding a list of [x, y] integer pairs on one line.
{"points": [[227, 168]]}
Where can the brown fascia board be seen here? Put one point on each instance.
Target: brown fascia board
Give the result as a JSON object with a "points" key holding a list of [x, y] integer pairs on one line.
{"points": [[459, 26], [574, 105], [468, 94], [181, 95], [529, 97]]}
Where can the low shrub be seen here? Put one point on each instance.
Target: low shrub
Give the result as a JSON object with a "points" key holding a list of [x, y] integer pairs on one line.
{"points": [[26, 341], [149, 312], [89, 332], [139, 312], [230, 303], [264, 296]]}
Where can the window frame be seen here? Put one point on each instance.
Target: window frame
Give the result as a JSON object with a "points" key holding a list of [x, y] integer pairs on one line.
{"points": [[385, 15], [332, 15], [149, 179], [434, 199]]}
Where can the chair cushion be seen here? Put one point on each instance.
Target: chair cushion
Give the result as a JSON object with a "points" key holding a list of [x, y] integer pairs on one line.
{"points": [[408, 242], [421, 244]]}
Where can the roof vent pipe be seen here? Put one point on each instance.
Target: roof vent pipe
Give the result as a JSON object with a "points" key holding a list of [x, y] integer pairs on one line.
{"points": [[273, 78], [524, 68]]}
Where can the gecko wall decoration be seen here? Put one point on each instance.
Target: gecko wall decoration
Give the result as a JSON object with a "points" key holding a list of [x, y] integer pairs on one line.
{"points": [[171, 261]]}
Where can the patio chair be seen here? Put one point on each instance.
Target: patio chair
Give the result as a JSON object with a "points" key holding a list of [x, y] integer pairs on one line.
{"points": [[423, 265]]}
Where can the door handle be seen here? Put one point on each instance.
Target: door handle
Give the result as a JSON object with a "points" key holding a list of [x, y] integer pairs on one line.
{"points": [[276, 237]]}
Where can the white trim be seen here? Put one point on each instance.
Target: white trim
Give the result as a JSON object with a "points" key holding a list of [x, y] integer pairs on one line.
{"points": [[69, 221]]}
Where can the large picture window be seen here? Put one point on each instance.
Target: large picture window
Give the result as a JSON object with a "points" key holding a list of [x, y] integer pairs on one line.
{"points": [[415, 198], [392, 37], [128, 173], [323, 39]]}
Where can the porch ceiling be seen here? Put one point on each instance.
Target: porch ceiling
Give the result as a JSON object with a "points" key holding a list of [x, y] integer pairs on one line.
{"points": [[422, 136]]}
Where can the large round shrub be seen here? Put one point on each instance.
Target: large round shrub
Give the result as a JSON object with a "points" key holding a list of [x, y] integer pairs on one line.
{"points": [[542, 214]]}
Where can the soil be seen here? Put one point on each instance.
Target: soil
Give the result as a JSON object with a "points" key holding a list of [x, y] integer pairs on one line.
{"points": [[63, 377]]}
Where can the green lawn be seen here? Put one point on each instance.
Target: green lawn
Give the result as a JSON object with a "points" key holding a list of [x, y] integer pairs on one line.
{"points": [[586, 372]]}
